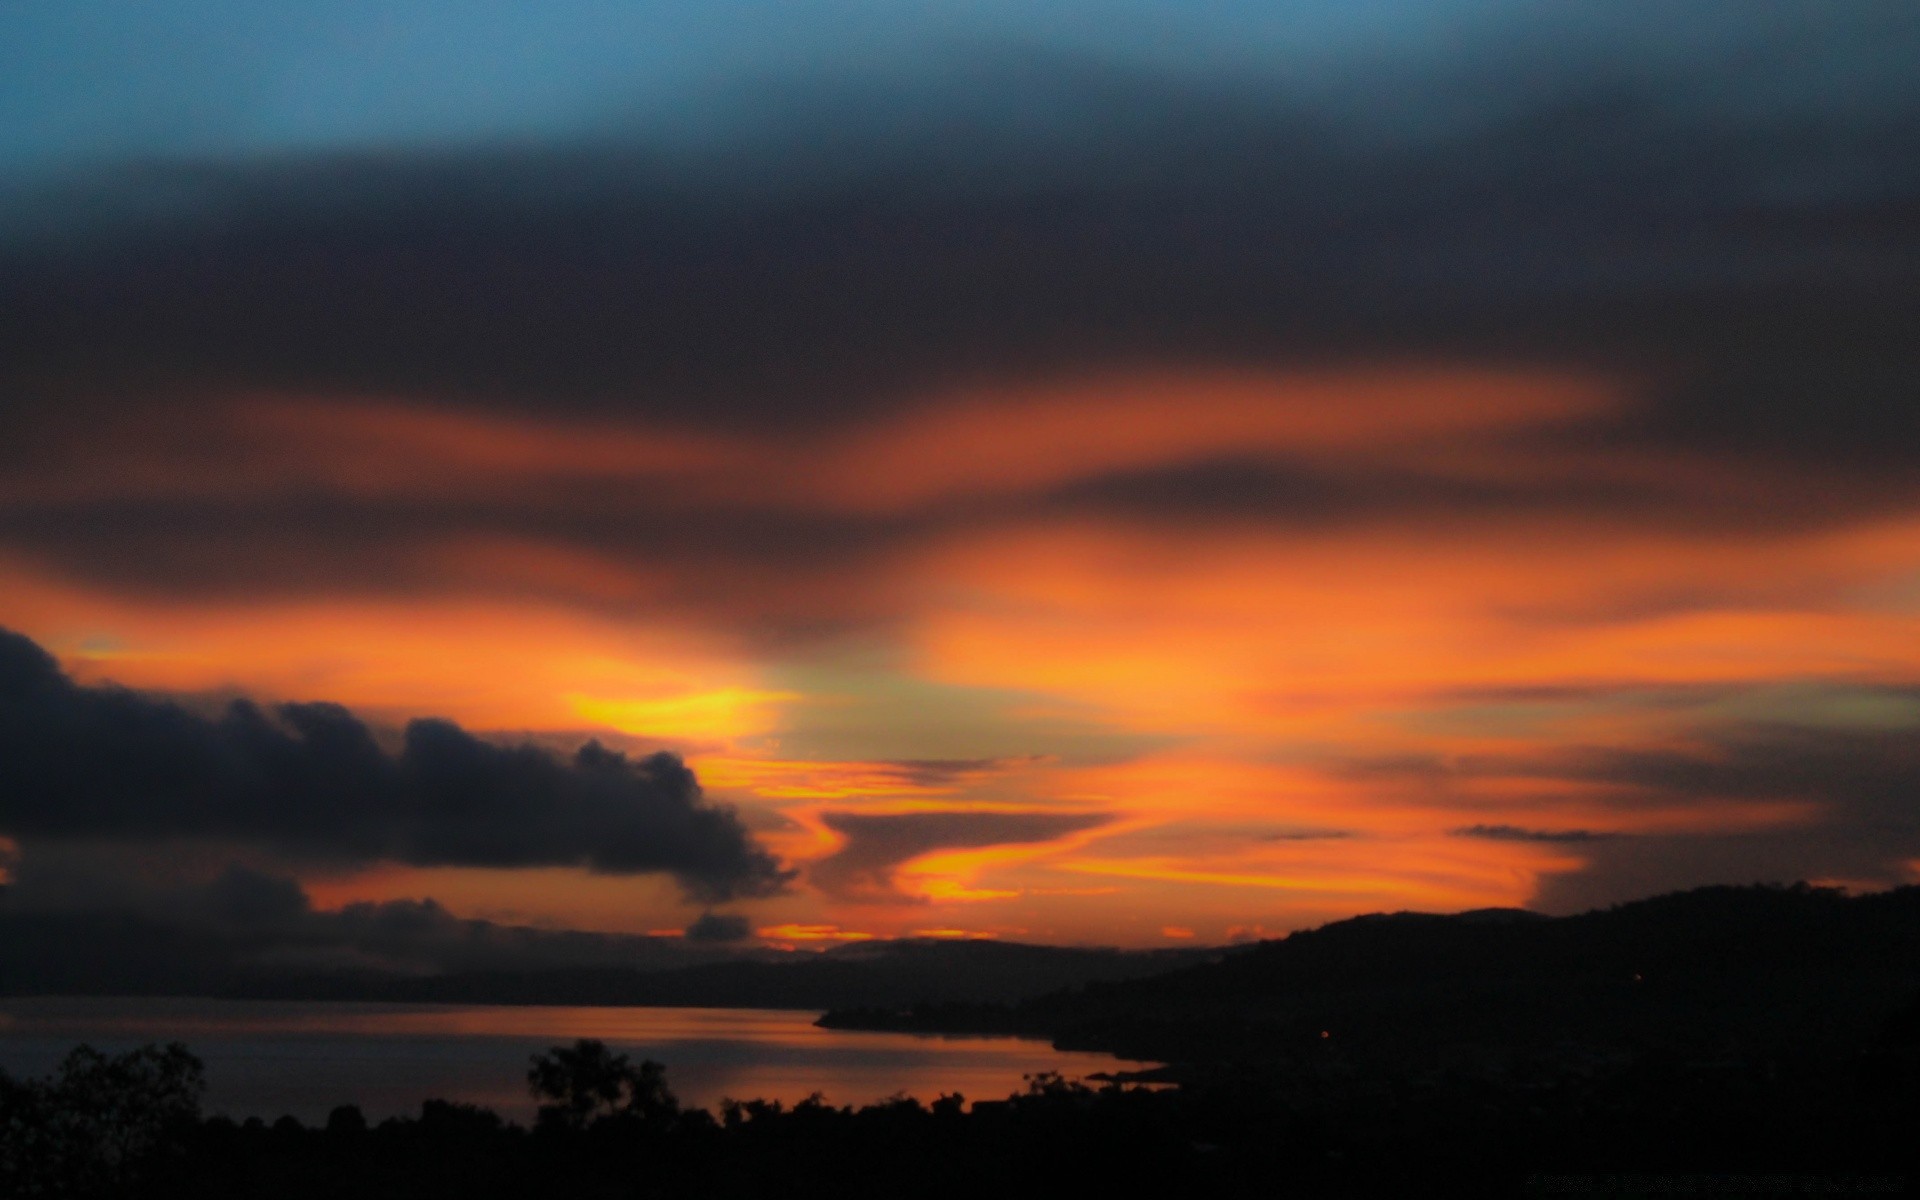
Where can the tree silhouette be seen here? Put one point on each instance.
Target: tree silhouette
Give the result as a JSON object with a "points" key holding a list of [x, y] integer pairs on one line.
{"points": [[585, 1083], [98, 1123]]}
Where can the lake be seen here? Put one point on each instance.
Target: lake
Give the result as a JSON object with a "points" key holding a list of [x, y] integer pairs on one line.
{"points": [[268, 1058]]}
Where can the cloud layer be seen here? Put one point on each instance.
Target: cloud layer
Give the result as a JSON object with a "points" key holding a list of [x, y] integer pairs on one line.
{"points": [[67, 926], [1736, 239], [1064, 471], [312, 780], [875, 845]]}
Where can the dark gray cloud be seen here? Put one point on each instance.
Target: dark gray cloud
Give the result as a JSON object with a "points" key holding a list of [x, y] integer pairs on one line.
{"points": [[1739, 232], [1624, 870], [237, 921], [422, 935], [719, 928], [1306, 835], [1858, 787], [1516, 833], [1270, 490], [875, 844], [1868, 775], [102, 763], [943, 772], [1861, 789], [244, 898]]}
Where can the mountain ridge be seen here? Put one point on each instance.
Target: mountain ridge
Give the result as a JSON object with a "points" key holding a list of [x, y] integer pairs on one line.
{"points": [[1766, 970]]}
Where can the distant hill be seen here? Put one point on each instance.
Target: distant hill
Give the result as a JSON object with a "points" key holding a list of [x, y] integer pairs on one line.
{"points": [[902, 972], [1705, 975], [1717, 973], [124, 954]]}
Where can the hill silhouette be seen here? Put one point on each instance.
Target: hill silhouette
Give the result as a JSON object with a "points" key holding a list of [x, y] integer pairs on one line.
{"points": [[117, 953], [1712, 975], [1725, 1041], [902, 971]]}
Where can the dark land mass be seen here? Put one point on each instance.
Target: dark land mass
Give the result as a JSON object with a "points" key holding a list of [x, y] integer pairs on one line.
{"points": [[896, 972], [1727, 1041], [1716, 975], [114, 954]]}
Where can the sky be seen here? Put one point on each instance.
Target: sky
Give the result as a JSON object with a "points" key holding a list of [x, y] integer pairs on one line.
{"points": [[787, 474]]}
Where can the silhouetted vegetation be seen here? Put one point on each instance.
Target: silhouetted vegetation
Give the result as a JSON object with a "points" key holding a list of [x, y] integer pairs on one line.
{"points": [[586, 1083], [1841, 1126], [100, 1125]]}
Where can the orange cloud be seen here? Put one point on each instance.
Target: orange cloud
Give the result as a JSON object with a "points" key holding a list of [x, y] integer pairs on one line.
{"points": [[1240, 691], [812, 933], [983, 442], [1316, 637], [487, 664], [997, 444]]}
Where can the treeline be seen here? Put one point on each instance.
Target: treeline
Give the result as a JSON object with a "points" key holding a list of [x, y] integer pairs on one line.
{"points": [[610, 1128]]}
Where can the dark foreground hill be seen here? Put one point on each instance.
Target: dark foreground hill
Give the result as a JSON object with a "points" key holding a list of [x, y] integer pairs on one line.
{"points": [[1713, 975]]}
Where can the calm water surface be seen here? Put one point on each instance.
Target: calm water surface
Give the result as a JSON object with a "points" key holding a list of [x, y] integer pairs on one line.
{"points": [[266, 1058]]}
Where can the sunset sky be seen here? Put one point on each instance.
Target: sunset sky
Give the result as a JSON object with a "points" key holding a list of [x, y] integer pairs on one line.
{"points": [[1140, 474]]}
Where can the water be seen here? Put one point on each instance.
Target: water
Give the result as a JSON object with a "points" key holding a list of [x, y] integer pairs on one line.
{"points": [[268, 1058]]}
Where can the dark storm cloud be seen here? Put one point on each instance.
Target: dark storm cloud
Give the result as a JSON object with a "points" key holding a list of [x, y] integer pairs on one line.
{"points": [[719, 928], [875, 844], [1861, 788], [1741, 234], [245, 921], [106, 764], [242, 898], [1869, 776], [1624, 870], [424, 935], [321, 540], [1737, 236], [1165, 220], [1272, 491]]}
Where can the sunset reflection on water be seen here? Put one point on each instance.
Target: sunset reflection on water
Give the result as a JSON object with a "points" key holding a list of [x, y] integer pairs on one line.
{"points": [[267, 1058]]}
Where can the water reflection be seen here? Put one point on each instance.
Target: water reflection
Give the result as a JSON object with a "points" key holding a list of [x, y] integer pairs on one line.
{"points": [[266, 1058]]}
